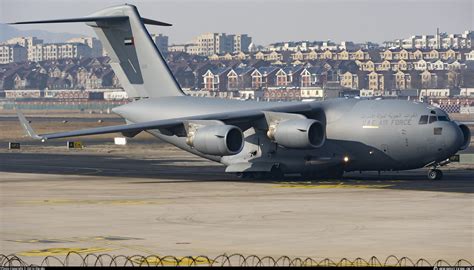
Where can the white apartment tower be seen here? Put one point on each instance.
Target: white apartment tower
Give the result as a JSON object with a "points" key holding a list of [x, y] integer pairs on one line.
{"points": [[32, 45], [12, 53]]}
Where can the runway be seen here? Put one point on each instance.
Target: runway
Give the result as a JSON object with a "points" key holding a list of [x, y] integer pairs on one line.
{"points": [[172, 203], [182, 167]]}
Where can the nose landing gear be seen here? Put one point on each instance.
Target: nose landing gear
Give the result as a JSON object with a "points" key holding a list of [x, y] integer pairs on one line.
{"points": [[435, 174]]}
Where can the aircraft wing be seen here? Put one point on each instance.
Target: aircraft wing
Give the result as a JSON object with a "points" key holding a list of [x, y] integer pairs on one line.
{"points": [[232, 117]]}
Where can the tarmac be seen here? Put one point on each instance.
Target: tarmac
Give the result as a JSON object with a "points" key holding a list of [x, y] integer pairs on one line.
{"points": [[154, 199]]}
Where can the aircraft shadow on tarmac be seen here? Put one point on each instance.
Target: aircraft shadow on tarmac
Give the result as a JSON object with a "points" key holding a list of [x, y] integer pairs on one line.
{"points": [[162, 171]]}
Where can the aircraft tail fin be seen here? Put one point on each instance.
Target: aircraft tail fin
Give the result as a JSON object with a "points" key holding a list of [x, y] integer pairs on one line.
{"points": [[135, 59]]}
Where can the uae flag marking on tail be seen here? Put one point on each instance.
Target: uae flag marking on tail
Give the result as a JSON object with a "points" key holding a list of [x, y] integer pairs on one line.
{"points": [[128, 41]]}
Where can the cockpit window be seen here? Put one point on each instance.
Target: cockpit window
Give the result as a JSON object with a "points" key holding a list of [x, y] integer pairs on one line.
{"points": [[432, 119], [423, 120], [443, 118]]}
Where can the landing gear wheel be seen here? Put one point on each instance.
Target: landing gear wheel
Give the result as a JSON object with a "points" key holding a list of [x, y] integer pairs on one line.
{"points": [[435, 174]]}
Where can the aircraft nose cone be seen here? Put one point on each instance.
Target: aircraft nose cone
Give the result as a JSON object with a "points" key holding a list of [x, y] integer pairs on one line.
{"points": [[454, 138]]}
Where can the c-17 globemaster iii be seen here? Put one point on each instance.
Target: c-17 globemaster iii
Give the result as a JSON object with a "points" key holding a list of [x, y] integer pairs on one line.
{"points": [[264, 139]]}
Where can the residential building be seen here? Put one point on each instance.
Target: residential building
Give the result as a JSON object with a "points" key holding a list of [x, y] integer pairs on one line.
{"points": [[469, 56], [380, 82], [35, 53], [311, 93], [368, 66], [12, 53], [239, 78], [241, 43], [353, 80], [220, 43], [386, 65], [366, 93], [359, 55], [310, 76], [403, 80], [54, 51], [420, 65], [437, 41], [215, 79], [24, 41], [429, 79], [94, 44], [161, 42], [251, 94], [186, 48], [263, 77], [30, 43]]}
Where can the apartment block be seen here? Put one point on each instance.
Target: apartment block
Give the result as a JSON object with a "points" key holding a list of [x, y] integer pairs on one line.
{"points": [[24, 41], [32, 45], [438, 41], [242, 43], [12, 53], [161, 42], [186, 48], [56, 51], [35, 53], [220, 43], [93, 43]]}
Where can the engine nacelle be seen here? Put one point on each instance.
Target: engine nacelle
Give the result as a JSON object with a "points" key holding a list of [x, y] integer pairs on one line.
{"points": [[298, 133], [218, 140]]}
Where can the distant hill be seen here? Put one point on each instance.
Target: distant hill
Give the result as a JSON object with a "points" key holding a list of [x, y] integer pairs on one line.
{"points": [[7, 32]]}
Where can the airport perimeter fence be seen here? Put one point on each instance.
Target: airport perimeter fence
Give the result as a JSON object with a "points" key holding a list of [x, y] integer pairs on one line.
{"points": [[76, 259]]}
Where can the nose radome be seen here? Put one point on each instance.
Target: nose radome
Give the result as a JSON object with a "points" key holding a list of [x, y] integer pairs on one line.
{"points": [[454, 137]]}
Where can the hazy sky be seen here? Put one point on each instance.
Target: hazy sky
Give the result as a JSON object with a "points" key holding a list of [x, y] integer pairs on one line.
{"points": [[266, 21]]}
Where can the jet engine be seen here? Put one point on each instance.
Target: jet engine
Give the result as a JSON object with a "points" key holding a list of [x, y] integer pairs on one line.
{"points": [[466, 136], [218, 140], [298, 133]]}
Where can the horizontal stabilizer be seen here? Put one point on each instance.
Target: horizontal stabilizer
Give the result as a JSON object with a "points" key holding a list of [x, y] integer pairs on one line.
{"points": [[96, 19], [83, 19], [25, 124], [154, 22]]}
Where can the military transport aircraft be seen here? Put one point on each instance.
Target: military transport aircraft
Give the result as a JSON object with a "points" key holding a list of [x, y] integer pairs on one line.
{"points": [[263, 139]]}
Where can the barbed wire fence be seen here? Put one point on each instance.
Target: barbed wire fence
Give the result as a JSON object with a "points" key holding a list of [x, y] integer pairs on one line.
{"points": [[77, 259]]}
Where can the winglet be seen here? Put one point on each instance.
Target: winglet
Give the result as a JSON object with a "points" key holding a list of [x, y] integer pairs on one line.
{"points": [[27, 127]]}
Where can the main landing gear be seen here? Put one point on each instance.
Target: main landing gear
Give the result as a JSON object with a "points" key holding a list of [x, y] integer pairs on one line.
{"points": [[435, 174], [274, 174]]}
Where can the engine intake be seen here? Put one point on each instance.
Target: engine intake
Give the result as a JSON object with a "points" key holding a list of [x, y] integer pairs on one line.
{"points": [[298, 133], [218, 140], [467, 136]]}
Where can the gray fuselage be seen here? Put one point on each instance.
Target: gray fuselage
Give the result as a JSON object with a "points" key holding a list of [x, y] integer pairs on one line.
{"points": [[360, 134]]}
